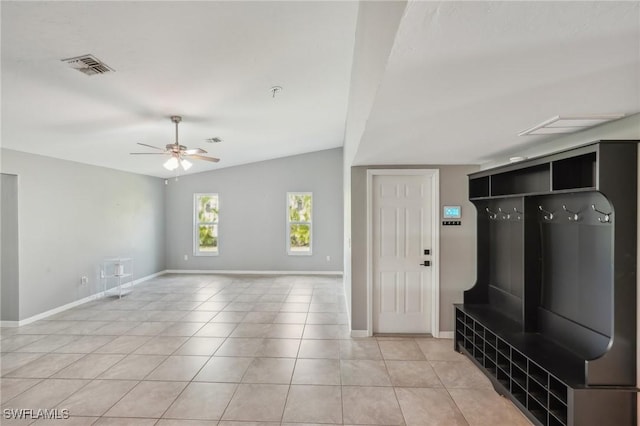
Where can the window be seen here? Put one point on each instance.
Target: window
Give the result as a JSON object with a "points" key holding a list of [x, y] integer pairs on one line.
{"points": [[299, 229], [206, 210]]}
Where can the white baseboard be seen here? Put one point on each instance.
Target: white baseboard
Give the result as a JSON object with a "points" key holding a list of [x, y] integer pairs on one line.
{"points": [[365, 333], [73, 304], [59, 309], [95, 296], [240, 272], [143, 279]]}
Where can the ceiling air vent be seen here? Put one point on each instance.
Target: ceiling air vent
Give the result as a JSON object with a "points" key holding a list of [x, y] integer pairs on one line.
{"points": [[569, 124], [88, 64]]}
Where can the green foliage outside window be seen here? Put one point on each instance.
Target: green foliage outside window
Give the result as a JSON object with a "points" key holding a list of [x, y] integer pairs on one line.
{"points": [[299, 222], [300, 236], [208, 239], [208, 223]]}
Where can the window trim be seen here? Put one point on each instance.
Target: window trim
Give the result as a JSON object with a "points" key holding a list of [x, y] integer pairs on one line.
{"points": [[195, 229], [288, 227]]}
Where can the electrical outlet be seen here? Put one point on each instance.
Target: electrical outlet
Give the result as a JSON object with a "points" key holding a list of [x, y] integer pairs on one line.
{"points": [[84, 280], [101, 273], [328, 258], [186, 257]]}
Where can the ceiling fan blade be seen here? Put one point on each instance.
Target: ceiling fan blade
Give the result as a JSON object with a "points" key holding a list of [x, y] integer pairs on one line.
{"points": [[150, 146], [194, 151], [202, 157], [147, 153]]}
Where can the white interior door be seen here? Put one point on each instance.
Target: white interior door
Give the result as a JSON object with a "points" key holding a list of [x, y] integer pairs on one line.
{"points": [[402, 211]]}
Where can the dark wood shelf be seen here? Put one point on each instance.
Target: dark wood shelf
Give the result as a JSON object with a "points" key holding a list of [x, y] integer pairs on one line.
{"points": [[479, 187], [575, 172], [522, 181]]}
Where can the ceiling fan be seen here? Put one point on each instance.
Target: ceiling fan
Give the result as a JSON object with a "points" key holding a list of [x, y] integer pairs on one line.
{"points": [[177, 152]]}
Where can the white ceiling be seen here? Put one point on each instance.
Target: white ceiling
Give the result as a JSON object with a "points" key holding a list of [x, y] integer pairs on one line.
{"points": [[211, 62], [462, 79]]}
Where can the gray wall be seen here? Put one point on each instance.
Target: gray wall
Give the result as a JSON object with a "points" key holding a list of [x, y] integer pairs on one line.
{"points": [[9, 292], [74, 215], [457, 243], [252, 214], [375, 32]]}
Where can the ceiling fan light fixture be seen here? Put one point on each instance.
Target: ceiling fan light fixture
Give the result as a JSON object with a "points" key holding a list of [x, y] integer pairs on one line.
{"points": [[186, 164], [171, 164], [177, 152]]}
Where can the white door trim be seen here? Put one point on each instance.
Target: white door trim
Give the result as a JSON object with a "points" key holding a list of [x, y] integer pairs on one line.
{"points": [[435, 243]]}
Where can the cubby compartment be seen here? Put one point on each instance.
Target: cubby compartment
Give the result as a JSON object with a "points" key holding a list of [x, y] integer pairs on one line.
{"points": [[539, 375], [489, 351], [503, 378], [558, 410], [490, 365], [468, 322], [519, 393], [534, 179], [491, 339], [555, 422], [518, 375], [479, 187], [468, 345], [504, 348], [478, 350], [538, 410], [468, 332], [519, 361], [503, 362], [577, 172], [538, 392], [558, 389]]}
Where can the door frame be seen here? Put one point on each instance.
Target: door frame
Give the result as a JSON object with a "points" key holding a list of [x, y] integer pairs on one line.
{"points": [[435, 241]]}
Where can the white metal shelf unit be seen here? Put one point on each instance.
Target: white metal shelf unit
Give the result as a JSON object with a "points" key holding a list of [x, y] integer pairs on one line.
{"points": [[117, 271]]}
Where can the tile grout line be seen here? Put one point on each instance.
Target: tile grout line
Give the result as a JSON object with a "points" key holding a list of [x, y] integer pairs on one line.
{"points": [[195, 375], [386, 368], [295, 363], [172, 323], [140, 381]]}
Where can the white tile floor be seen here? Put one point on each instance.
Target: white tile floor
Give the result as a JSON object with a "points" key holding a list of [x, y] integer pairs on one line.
{"points": [[221, 350]]}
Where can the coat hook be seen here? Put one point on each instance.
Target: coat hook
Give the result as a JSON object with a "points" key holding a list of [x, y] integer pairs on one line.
{"points": [[548, 215], [515, 210], [504, 215], [492, 215], [607, 216], [574, 215]]}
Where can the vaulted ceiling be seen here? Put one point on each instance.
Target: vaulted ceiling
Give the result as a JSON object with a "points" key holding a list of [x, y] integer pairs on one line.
{"points": [[464, 78], [460, 80], [211, 62]]}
